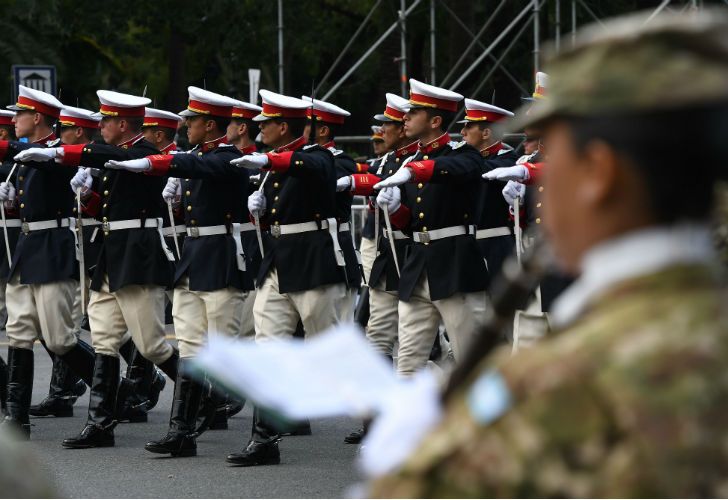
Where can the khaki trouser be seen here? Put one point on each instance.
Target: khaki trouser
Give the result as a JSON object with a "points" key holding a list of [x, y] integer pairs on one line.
{"points": [[36, 311], [383, 319], [276, 314], [345, 306], [247, 324], [3, 308], [198, 314], [368, 251], [136, 308], [420, 318]]}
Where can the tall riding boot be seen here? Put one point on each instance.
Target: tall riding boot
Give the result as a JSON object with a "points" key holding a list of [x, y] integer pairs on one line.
{"points": [[20, 388], [169, 367], [213, 411], [99, 429], [180, 439], [71, 372], [3, 385], [262, 449], [233, 406], [139, 391]]}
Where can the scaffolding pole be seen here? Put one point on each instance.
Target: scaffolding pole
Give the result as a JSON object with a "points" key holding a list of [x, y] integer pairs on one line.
{"points": [[433, 43], [482, 46], [656, 12], [280, 46], [573, 22], [557, 27], [369, 52], [492, 46], [536, 36], [403, 46]]}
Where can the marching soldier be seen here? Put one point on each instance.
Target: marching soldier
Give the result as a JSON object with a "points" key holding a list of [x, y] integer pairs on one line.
{"points": [[626, 399], [378, 146], [209, 282], [494, 229], [329, 118], [134, 266], [300, 276], [43, 277], [443, 276]]}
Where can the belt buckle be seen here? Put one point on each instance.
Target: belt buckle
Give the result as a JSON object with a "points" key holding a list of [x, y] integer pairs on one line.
{"points": [[275, 231], [194, 232], [25, 227], [425, 238], [106, 227]]}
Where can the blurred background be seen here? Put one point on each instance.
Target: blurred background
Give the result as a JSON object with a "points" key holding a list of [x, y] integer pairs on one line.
{"points": [[353, 51]]}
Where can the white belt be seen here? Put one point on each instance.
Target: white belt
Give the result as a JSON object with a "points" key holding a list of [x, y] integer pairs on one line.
{"points": [[398, 235], [344, 227], [12, 223], [248, 226], [482, 234], [307, 227], [445, 232], [120, 225], [90, 221], [167, 231], [196, 232], [27, 227]]}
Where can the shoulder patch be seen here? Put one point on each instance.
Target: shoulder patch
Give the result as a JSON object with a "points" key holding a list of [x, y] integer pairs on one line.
{"points": [[488, 398], [224, 145], [456, 145], [53, 143], [334, 151], [309, 146]]}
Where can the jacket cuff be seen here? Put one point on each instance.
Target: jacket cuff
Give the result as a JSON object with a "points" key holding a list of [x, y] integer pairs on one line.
{"points": [[160, 164], [422, 170], [363, 184], [279, 162], [3, 149], [534, 172], [362, 167], [72, 154], [92, 205], [400, 219]]}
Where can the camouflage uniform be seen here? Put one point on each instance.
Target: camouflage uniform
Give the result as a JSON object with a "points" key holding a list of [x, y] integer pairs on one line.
{"points": [[624, 403]]}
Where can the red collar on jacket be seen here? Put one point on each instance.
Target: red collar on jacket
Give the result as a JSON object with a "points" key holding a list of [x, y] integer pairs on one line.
{"points": [[328, 145], [249, 149], [408, 150], [210, 145], [293, 146], [168, 148], [131, 141], [492, 149], [436, 144]]}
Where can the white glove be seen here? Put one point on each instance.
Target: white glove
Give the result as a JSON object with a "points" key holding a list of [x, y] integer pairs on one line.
{"points": [[514, 173], [256, 204], [36, 154], [138, 165], [7, 191], [512, 190], [343, 184], [254, 179], [82, 179], [391, 198], [401, 176], [172, 190], [251, 162]]}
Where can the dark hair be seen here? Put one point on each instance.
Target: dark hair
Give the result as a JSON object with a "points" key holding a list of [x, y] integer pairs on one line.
{"points": [[169, 133], [296, 125], [135, 122], [221, 122], [50, 121], [447, 116], [252, 129], [662, 145], [334, 128]]}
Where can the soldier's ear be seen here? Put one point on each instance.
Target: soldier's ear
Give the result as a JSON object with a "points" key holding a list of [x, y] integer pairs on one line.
{"points": [[37, 118], [436, 121]]}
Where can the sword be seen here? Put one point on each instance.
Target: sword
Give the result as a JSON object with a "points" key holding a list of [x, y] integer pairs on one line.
{"points": [[5, 222], [81, 256], [391, 237], [517, 229], [174, 228], [258, 234]]}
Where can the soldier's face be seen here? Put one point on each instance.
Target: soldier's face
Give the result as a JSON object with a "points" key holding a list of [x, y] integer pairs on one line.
{"points": [[379, 148], [416, 123], [272, 133], [111, 130], [393, 134], [474, 136], [25, 123], [530, 143], [196, 130], [71, 135]]}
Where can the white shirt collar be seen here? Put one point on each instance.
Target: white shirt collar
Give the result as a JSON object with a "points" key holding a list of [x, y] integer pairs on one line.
{"points": [[634, 254]]}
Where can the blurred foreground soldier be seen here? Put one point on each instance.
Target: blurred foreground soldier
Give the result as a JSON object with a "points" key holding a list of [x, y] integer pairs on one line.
{"points": [[21, 474], [7, 133], [628, 398]]}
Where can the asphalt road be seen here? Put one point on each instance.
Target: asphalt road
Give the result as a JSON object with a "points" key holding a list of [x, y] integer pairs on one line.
{"points": [[317, 466]]}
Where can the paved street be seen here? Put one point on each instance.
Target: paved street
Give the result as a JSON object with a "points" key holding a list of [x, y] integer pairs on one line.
{"points": [[314, 466]]}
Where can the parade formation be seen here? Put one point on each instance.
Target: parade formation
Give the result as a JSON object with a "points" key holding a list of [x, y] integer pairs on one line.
{"points": [[105, 222]]}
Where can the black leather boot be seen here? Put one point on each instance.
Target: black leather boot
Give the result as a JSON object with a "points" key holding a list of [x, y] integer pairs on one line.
{"points": [[234, 406], [262, 449], [300, 428], [169, 367], [20, 388], [3, 385], [139, 391], [180, 439], [70, 375], [99, 429]]}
